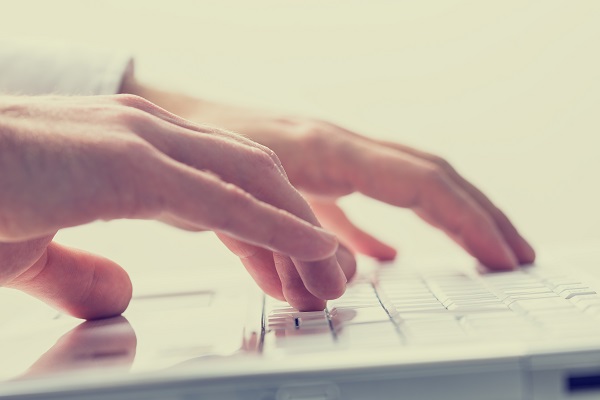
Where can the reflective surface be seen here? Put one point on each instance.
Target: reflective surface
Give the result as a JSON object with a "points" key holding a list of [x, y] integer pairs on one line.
{"points": [[507, 91], [155, 333]]}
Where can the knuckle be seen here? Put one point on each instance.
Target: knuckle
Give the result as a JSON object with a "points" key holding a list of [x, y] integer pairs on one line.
{"points": [[235, 194], [312, 134], [434, 176], [335, 157], [264, 161], [321, 136], [273, 156], [134, 118], [441, 163], [132, 100]]}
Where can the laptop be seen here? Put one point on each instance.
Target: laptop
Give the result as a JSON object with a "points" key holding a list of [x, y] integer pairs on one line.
{"points": [[435, 330]]}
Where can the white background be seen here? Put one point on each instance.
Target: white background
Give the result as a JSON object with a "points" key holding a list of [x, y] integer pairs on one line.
{"points": [[508, 91]]}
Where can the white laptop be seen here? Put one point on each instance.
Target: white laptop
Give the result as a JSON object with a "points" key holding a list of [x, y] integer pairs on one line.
{"points": [[400, 332]]}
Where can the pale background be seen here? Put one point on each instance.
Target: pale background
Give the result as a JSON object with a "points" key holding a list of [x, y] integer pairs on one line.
{"points": [[508, 91]]}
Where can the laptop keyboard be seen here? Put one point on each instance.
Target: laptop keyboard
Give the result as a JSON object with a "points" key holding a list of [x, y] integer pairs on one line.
{"points": [[396, 307]]}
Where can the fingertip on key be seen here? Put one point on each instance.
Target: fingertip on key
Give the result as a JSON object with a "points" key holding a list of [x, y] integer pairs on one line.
{"points": [[526, 253], [509, 263], [307, 303], [500, 258]]}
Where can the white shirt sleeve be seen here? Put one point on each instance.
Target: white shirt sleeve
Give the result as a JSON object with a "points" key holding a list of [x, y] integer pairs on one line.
{"points": [[34, 68]]}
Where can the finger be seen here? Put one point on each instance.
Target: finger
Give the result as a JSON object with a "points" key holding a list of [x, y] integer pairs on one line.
{"points": [[293, 286], [407, 181], [259, 263], [242, 166], [467, 224], [333, 218], [239, 162], [207, 202], [475, 233], [269, 270], [150, 108], [515, 240], [456, 238], [78, 283], [521, 248], [347, 261]]}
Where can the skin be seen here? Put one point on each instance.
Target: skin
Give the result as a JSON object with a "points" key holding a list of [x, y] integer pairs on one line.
{"points": [[69, 161], [325, 162]]}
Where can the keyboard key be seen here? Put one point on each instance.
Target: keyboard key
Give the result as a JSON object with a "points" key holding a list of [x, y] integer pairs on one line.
{"points": [[531, 296], [560, 288], [293, 313], [527, 290], [593, 310], [489, 307], [413, 302], [299, 340], [570, 293], [345, 316], [473, 301], [311, 322], [590, 298], [401, 308], [422, 316], [535, 305], [379, 334], [434, 333], [556, 282], [515, 327], [280, 319]]}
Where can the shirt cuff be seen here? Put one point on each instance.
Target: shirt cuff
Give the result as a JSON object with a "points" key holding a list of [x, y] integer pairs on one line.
{"points": [[34, 68]]}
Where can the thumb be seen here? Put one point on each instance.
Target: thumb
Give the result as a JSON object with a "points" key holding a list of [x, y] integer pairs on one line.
{"points": [[78, 283]]}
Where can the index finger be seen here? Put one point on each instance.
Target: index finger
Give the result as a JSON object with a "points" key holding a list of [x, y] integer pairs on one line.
{"points": [[205, 201], [518, 244], [256, 172], [407, 181]]}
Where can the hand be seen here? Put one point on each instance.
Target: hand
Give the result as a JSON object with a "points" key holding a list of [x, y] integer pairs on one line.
{"points": [[326, 161], [68, 161]]}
